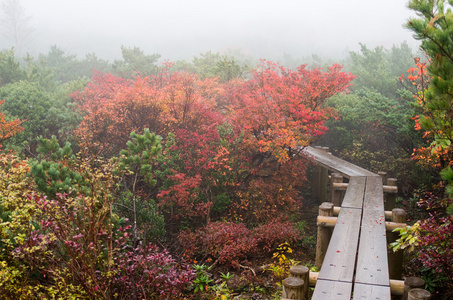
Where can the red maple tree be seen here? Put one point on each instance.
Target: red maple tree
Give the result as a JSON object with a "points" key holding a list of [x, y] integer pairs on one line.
{"points": [[281, 109]]}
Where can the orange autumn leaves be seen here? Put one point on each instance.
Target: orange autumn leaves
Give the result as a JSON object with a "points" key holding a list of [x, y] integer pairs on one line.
{"points": [[234, 144], [114, 107], [433, 118], [277, 109], [281, 109], [8, 128]]}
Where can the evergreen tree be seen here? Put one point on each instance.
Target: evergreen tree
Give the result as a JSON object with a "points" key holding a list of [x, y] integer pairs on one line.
{"points": [[433, 27]]}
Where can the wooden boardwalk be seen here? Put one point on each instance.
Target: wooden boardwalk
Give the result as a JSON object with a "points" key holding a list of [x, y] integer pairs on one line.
{"points": [[355, 265]]}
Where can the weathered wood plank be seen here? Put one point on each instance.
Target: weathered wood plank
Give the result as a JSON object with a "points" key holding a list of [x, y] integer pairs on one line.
{"points": [[374, 194], [362, 214], [337, 290], [371, 292], [340, 258], [355, 193], [372, 267], [334, 163]]}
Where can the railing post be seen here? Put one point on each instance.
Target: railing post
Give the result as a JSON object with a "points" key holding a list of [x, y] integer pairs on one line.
{"points": [[384, 177], [335, 194], [301, 272], [390, 198], [412, 283], [316, 179], [324, 233], [324, 174], [293, 288], [419, 294], [395, 259]]}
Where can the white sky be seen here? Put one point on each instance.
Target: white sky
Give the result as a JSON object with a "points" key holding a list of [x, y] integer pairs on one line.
{"points": [[184, 28]]}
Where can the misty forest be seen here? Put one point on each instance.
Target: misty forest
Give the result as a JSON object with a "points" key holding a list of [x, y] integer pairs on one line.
{"points": [[140, 177]]}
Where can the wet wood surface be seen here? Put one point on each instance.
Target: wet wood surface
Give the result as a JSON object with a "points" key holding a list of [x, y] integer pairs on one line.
{"points": [[355, 264], [372, 266], [370, 292], [326, 289], [334, 163], [339, 262], [353, 198]]}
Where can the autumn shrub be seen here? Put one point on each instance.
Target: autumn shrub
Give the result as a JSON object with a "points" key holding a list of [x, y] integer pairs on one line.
{"points": [[71, 245], [197, 174], [281, 109], [114, 107], [272, 234], [147, 273], [435, 242], [237, 160], [8, 128], [228, 242], [233, 243], [15, 185], [79, 251], [17, 213]]}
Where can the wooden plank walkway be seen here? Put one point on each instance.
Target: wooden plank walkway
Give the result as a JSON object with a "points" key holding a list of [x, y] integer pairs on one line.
{"points": [[355, 265], [334, 163]]}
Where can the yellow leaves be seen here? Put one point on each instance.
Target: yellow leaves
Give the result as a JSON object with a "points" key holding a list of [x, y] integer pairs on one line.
{"points": [[3, 265], [409, 238], [20, 238], [281, 269], [15, 188], [8, 275], [14, 182]]}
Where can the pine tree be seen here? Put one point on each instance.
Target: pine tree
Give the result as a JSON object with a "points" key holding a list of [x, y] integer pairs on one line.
{"points": [[434, 27]]}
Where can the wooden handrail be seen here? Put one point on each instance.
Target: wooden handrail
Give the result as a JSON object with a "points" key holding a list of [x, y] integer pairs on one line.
{"points": [[396, 286], [355, 264], [342, 186], [332, 221]]}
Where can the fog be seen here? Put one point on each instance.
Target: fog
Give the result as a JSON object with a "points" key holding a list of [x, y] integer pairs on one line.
{"points": [[179, 29]]}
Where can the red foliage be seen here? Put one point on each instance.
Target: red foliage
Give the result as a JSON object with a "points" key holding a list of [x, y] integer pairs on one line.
{"points": [[182, 196], [436, 239], [8, 129], [270, 235], [188, 102], [437, 129], [200, 151], [232, 243], [96, 257], [281, 109], [252, 169], [147, 273], [202, 170], [115, 107], [272, 189], [228, 242]]}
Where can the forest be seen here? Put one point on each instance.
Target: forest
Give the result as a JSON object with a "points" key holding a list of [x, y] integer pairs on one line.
{"points": [[141, 178]]}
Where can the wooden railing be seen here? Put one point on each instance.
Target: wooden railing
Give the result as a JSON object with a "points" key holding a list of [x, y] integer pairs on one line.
{"points": [[353, 257], [359, 236]]}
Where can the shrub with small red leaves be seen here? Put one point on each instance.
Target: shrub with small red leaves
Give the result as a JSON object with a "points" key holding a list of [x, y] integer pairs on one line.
{"points": [[436, 238], [230, 243], [270, 235], [147, 273]]}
